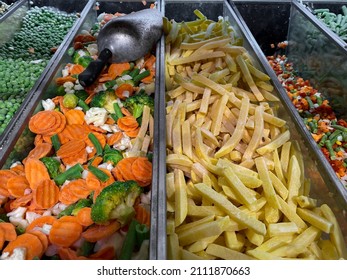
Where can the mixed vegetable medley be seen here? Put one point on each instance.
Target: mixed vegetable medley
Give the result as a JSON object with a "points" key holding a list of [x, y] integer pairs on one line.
{"points": [[328, 131], [236, 186], [84, 190], [25, 56]]}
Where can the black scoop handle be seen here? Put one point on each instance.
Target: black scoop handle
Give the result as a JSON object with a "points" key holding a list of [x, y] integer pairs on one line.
{"points": [[92, 72]]}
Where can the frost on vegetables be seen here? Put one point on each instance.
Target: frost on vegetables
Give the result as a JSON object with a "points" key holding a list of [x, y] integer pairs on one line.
{"points": [[83, 191], [235, 183]]}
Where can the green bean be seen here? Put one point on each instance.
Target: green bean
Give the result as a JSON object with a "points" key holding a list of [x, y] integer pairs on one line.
{"points": [[96, 143], [101, 175], [129, 242], [55, 142], [331, 151], [75, 172]]}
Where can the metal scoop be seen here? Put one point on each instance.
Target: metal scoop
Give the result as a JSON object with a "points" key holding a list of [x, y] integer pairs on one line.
{"points": [[122, 39]]}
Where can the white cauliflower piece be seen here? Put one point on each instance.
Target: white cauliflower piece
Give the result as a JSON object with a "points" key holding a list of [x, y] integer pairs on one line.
{"points": [[97, 116], [17, 213], [19, 222], [124, 143], [106, 127], [89, 149], [15, 164], [17, 254], [85, 174], [92, 49], [48, 104], [106, 165], [65, 72], [31, 216], [56, 209], [68, 85]]}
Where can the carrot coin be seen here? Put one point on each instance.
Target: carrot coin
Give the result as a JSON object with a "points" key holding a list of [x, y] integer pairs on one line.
{"points": [[40, 151], [16, 186], [19, 169], [46, 194], [114, 138], [65, 232], [74, 117], [5, 175], [43, 238], [40, 222], [35, 171], [9, 229], [97, 232], [70, 148], [21, 201], [84, 217]]}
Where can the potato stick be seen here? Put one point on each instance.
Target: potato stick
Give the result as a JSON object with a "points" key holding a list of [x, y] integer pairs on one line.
{"points": [[217, 120], [306, 202], [214, 44], [170, 186], [256, 72], [246, 137], [300, 243], [268, 188], [176, 92], [195, 105], [278, 167], [272, 215], [205, 256], [203, 55], [262, 255], [193, 88], [257, 135], [196, 45], [179, 160], [169, 122], [247, 76], [233, 240], [314, 248], [315, 220], [186, 255], [290, 213], [237, 168], [285, 156], [274, 144], [201, 244], [199, 169], [336, 233], [294, 185], [186, 170], [209, 136], [146, 143], [296, 151], [279, 186], [285, 228], [307, 187], [176, 136], [241, 190], [235, 156], [232, 66], [200, 146], [205, 101], [188, 97], [226, 253], [276, 242], [170, 226], [225, 205], [170, 206], [253, 237], [266, 87], [237, 135], [230, 193], [191, 225], [203, 211], [202, 231], [233, 50], [173, 247], [328, 249], [181, 198], [186, 139]]}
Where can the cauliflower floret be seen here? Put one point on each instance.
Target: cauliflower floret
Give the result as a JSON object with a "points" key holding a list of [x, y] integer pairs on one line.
{"points": [[85, 174], [15, 164], [58, 208], [17, 213], [106, 165], [124, 143], [19, 222], [89, 149], [92, 49], [48, 104], [97, 116], [106, 127], [68, 85], [17, 254], [31, 216]]}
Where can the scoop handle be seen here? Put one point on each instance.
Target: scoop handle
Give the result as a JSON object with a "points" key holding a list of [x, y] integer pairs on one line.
{"points": [[92, 72]]}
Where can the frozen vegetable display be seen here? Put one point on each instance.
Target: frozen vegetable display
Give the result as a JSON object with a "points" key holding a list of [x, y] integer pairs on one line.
{"points": [[25, 56], [84, 190], [236, 184]]}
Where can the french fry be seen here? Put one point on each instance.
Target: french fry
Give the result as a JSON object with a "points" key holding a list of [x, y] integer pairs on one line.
{"points": [[173, 250], [294, 183], [226, 253], [274, 144], [186, 255], [282, 229], [181, 199], [233, 240], [315, 219]]}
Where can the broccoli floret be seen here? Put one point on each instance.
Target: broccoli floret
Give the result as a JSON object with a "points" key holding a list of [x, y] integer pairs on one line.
{"points": [[52, 165], [84, 202], [116, 202], [135, 103], [111, 155], [104, 99], [82, 57]]}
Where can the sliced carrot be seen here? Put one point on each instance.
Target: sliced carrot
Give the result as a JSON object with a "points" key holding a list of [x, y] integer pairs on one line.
{"points": [[5, 175], [92, 182], [65, 231], [127, 123], [133, 133], [43, 238], [97, 129], [110, 179], [74, 117], [101, 138], [67, 197], [142, 215], [30, 242], [116, 69], [21, 201], [106, 253], [62, 80], [70, 148], [149, 62], [79, 188], [124, 167], [81, 157], [40, 222], [84, 217], [39, 140], [2, 238], [19, 169], [9, 229], [76, 131], [114, 138], [149, 79], [69, 254], [110, 121], [124, 90], [76, 69], [117, 174], [98, 232], [40, 151], [142, 171], [47, 122], [46, 194], [35, 171], [96, 161], [125, 111], [16, 186]]}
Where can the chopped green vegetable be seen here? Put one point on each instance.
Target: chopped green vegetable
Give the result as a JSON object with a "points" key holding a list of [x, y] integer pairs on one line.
{"points": [[136, 102], [75, 172], [52, 165]]}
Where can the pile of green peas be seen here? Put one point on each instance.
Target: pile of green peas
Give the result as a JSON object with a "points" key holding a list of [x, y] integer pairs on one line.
{"points": [[25, 56]]}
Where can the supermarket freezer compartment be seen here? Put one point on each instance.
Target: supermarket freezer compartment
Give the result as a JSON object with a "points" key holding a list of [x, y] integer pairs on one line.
{"points": [[315, 171], [10, 27], [21, 139]]}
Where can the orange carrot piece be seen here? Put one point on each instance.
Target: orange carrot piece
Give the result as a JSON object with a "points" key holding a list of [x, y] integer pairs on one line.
{"points": [[19, 169], [40, 151], [142, 171], [98, 232], [114, 138], [9, 229], [76, 69], [96, 161], [124, 167], [125, 112], [116, 69], [62, 80], [101, 138], [67, 197], [40, 222], [81, 157], [149, 79], [149, 62], [46, 194], [124, 91], [5, 175], [142, 215], [16, 186], [97, 129], [106, 253], [84, 217], [78, 188], [30, 242], [47, 122], [74, 116], [2, 238], [92, 182], [70, 148], [65, 232], [43, 238], [69, 254], [21, 201], [35, 171], [110, 121], [133, 133]]}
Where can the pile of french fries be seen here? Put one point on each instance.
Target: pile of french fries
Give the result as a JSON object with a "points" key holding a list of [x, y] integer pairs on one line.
{"points": [[236, 186]]}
